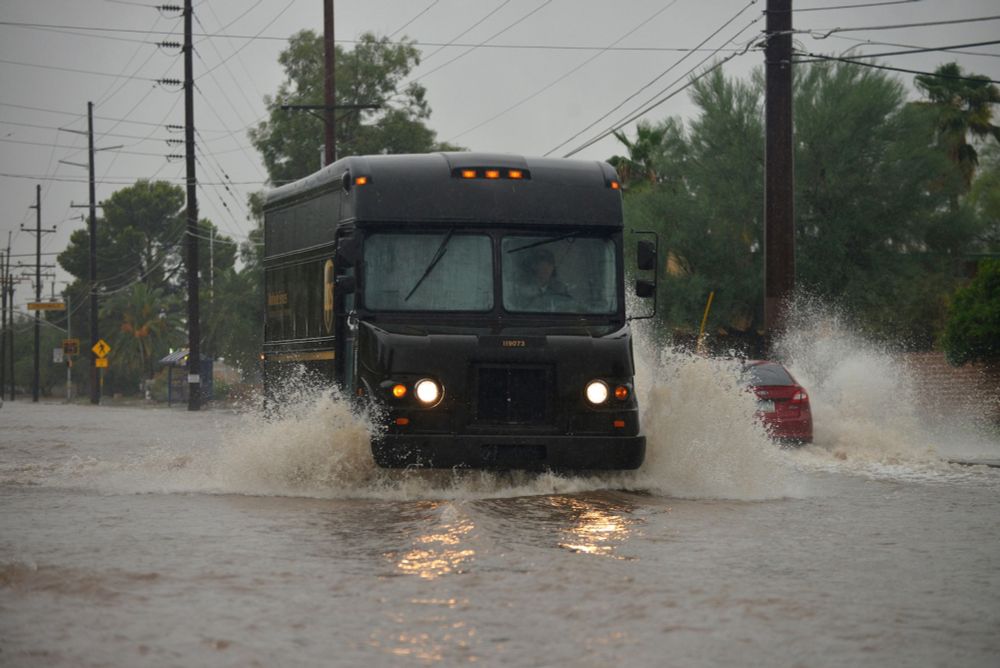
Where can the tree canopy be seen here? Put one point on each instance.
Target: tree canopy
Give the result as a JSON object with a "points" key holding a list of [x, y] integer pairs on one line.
{"points": [[963, 105], [373, 73], [876, 233], [141, 280], [972, 333]]}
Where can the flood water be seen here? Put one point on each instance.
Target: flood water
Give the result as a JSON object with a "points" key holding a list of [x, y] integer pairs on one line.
{"points": [[146, 536]]}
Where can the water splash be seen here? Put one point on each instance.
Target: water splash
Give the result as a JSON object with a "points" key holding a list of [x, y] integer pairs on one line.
{"points": [[702, 438], [702, 442], [867, 409]]}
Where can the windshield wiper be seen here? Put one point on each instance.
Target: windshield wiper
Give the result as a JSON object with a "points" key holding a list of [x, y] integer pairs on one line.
{"points": [[442, 249], [546, 241]]}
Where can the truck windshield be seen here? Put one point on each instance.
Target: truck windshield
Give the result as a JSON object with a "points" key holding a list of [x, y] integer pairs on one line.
{"points": [[559, 274], [397, 277]]}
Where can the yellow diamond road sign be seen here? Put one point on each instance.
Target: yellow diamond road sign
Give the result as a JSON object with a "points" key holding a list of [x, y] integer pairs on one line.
{"points": [[101, 348]]}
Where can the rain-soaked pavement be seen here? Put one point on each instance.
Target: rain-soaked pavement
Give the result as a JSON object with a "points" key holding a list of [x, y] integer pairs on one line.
{"points": [[156, 537]]}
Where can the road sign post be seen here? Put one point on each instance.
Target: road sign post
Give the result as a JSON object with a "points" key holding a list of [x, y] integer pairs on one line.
{"points": [[101, 350]]}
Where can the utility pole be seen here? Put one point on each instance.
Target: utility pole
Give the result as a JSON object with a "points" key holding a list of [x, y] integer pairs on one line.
{"points": [[10, 332], [194, 329], [69, 358], [329, 87], [38, 287], [329, 106], [779, 188], [3, 324], [35, 387], [95, 387], [10, 322]]}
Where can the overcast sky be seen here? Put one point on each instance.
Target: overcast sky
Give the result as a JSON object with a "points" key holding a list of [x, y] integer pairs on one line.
{"points": [[521, 91]]}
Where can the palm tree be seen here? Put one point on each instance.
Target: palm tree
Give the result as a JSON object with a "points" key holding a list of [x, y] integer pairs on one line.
{"points": [[964, 106], [640, 163], [143, 318]]}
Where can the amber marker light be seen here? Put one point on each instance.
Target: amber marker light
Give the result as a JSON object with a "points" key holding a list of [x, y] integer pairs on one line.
{"points": [[468, 173], [619, 424], [399, 390], [402, 422], [615, 185], [493, 173], [515, 174], [361, 180], [621, 393]]}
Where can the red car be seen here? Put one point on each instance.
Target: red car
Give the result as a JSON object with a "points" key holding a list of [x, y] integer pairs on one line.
{"points": [[782, 404]]}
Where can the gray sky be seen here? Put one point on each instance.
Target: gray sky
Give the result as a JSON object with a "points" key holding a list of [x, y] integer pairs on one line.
{"points": [[529, 100]]}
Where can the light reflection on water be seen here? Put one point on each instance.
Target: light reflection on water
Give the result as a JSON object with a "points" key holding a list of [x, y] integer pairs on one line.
{"points": [[439, 551], [598, 530]]}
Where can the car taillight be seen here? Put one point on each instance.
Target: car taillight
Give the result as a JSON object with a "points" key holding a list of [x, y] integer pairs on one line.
{"points": [[800, 397]]}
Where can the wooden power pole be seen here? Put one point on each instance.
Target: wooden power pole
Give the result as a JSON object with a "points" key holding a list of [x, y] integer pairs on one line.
{"points": [[194, 329], [329, 86], [779, 219], [95, 387]]}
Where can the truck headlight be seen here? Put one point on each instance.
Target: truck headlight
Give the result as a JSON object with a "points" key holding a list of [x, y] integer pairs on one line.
{"points": [[428, 391], [597, 392]]}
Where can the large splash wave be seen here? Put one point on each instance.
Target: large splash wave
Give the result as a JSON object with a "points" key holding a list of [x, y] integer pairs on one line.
{"points": [[702, 439], [868, 408]]}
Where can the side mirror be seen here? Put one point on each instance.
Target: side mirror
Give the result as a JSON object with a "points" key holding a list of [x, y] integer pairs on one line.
{"points": [[348, 251], [645, 288], [646, 255]]}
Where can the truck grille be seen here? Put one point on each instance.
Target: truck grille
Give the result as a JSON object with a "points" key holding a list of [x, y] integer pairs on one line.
{"points": [[513, 395]]}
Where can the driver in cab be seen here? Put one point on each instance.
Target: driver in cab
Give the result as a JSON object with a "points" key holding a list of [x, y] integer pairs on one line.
{"points": [[543, 287]]}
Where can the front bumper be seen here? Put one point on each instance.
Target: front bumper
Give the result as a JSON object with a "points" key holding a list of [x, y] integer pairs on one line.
{"points": [[523, 452]]}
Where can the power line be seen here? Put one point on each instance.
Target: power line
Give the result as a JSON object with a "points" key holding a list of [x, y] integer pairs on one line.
{"points": [[72, 70], [405, 25], [101, 118], [76, 148], [211, 108], [419, 43], [134, 4], [222, 91], [107, 95], [658, 77], [859, 40], [170, 111], [652, 102], [56, 127], [239, 61], [928, 49], [461, 34], [858, 6], [220, 173], [652, 106], [488, 39], [823, 34], [819, 57], [567, 74], [120, 180], [269, 24]]}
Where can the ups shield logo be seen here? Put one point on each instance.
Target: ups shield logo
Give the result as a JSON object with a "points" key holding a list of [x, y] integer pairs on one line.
{"points": [[328, 282]]}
